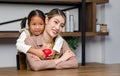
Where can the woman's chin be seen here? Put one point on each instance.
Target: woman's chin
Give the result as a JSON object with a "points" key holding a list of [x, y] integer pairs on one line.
{"points": [[54, 35]]}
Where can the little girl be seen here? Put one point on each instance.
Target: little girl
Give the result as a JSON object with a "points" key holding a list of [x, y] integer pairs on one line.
{"points": [[36, 25]]}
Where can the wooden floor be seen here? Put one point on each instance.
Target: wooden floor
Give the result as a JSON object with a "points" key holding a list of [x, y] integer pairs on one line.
{"points": [[93, 69]]}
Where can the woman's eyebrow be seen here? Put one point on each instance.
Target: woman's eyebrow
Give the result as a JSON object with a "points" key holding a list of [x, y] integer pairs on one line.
{"points": [[57, 19]]}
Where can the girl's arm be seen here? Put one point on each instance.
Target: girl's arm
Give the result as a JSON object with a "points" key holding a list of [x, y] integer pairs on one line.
{"points": [[37, 52], [22, 47], [58, 43], [34, 49], [20, 44]]}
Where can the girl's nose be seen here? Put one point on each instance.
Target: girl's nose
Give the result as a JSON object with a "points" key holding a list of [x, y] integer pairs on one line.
{"points": [[37, 26]]}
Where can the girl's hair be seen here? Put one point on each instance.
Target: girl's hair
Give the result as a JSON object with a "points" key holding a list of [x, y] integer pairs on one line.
{"points": [[32, 14], [55, 12]]}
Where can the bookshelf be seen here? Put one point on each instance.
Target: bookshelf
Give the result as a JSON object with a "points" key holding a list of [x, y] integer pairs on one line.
{"points": [[15, 34], [9, 34], [90, 14]]}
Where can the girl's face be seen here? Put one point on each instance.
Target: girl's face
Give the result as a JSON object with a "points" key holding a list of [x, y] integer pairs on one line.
{"points": [[36, 25], [54, 25]]}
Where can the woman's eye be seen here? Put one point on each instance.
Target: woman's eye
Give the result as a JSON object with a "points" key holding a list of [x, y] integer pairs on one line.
{"points": [[56, 22], [62, 26]]}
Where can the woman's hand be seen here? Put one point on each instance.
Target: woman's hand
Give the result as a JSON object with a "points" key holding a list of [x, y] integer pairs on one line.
{"points": [[36, 58], [68, 54]]}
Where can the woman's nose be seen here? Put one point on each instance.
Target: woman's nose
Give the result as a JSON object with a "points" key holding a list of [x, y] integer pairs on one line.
{"points": [[57, 27]]}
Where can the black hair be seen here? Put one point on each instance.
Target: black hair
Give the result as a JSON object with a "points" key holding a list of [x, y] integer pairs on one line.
{"points": [[55, 12], [32, 14]]}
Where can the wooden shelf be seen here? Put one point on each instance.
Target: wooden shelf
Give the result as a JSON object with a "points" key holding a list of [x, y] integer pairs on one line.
{"points": [[9, 34], [52, 1], [15, 34], [87, 33], [90, 20]]}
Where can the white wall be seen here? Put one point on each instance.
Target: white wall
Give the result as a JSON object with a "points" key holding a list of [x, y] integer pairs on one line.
{"points": [[16, 11], [112, 45], [7, 52], [98, 49]]}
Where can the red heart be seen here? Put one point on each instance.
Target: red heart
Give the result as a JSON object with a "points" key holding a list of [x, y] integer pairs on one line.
{"points": [[47, 52]]}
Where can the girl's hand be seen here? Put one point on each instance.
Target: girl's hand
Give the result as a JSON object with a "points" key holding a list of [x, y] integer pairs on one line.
{"points": [[41, 54], [37, 52], [51, 56]]}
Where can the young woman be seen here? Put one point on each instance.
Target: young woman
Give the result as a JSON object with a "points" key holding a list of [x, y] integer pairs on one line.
{"points": [[55, 21], [36, 25]]}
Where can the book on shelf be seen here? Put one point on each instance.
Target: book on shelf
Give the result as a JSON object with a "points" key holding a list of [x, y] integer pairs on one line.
{"points": [[70, 23], [67, 21]]}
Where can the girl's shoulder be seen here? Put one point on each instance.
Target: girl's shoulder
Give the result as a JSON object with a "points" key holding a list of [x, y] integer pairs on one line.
{"points": [[59, 38], [25, 31]]}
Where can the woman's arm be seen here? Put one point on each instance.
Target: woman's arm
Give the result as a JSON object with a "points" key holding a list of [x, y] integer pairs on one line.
{"points": [[70, 63], [37, 64], [68, 59]]}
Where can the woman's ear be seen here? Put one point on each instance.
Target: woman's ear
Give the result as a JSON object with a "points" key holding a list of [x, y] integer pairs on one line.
{"points": [[46, 20]]}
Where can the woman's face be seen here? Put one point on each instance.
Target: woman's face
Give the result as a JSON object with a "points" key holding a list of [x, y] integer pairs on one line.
{"points": [[54, 25], [36, 25]]}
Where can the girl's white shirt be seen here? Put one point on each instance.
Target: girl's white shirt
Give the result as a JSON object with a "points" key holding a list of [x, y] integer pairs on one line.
{"points": [[22, 47]]}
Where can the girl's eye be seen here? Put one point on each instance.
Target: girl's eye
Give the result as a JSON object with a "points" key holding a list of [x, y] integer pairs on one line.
{"points": [[40, 24], [33, 24]]}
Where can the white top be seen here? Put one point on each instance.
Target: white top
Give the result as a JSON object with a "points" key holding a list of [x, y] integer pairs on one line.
{"points": [[58, 43], [22, 47]]}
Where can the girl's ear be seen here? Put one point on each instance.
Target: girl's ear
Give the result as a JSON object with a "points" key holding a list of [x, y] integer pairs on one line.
{"points": [[46, 20]]}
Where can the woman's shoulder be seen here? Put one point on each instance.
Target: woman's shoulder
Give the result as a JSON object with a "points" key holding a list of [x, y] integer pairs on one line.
{"points": [[35, 37]]}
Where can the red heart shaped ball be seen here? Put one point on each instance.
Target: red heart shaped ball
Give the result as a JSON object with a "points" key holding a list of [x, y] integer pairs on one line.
{"points": [[47, 52]]}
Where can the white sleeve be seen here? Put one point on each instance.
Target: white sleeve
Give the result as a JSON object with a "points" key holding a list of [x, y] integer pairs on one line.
{"points": [[58, 43], [20, 44]]}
